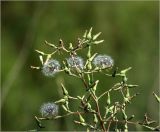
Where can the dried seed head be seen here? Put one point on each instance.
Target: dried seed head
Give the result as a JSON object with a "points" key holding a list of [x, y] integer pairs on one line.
{"points": [[75, 62], [50, 67], [49, 110], [103, 61]]}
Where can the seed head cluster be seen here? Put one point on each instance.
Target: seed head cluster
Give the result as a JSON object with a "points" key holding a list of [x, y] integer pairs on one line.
{"points": [[53, 66], [103, 61], [50, 67], [75, 62], [49, 110]]}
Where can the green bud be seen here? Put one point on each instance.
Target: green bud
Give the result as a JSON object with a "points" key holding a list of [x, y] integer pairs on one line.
{"points": [[124, 115], [41, 59], [49, 44], [70, 97], [125, 79], [34, 67], [65, 92], [81, 118], [106, 112], [83, 124], [70, 46], [127, 94], [85, 34], [157, 98], [95, 85], [48, 57], [89, 35], [89, 66], [80, 98], [95, 120], [96, 36], [111, 109], [108, 98], [132, 86], [66, 104], [40, 52], [98, 42], [65, 97], [125, 70], [60, 101], [88, 106], [117, 86], [92, 57], [125, 127], [64, 108]]}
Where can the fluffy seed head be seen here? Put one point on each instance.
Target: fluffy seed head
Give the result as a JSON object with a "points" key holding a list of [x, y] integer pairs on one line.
{"points": [[50, 67], [103, 61], [49, 110], [75, 61]]}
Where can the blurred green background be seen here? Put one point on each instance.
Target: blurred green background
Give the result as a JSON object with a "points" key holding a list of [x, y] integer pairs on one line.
{"points": [[130, 30]]}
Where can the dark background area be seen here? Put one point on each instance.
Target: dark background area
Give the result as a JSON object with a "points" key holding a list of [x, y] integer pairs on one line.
{"points": [[130, 31]]}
